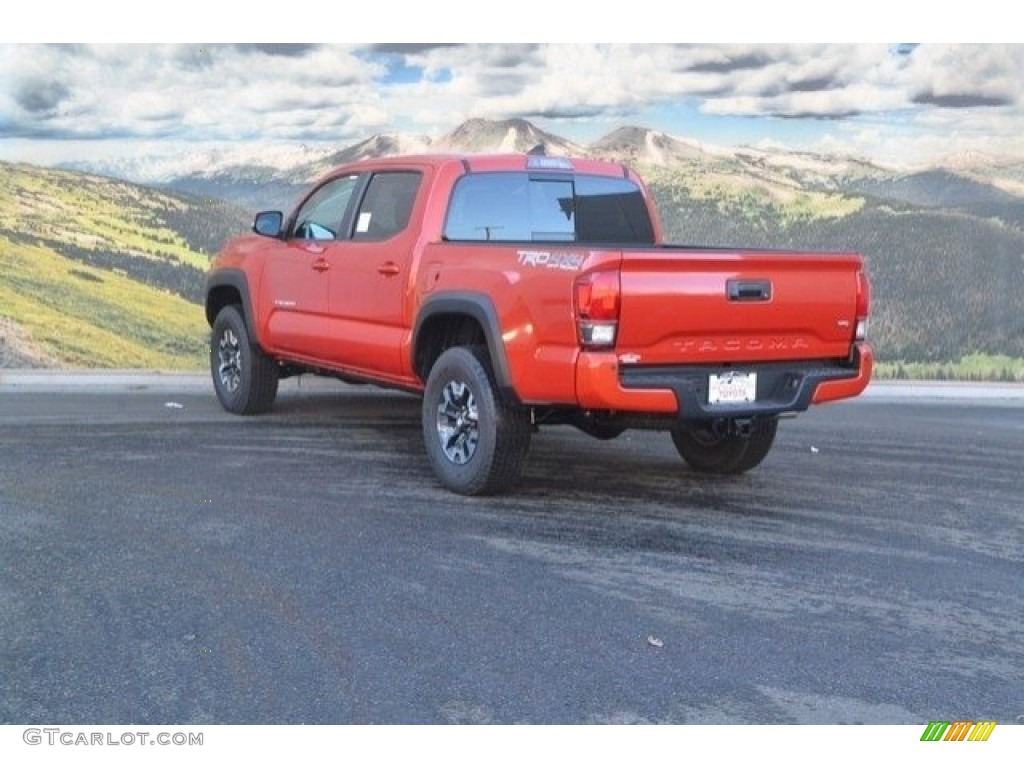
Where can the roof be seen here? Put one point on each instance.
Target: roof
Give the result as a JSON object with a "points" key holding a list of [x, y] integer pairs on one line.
{"points": [[491, 162]]}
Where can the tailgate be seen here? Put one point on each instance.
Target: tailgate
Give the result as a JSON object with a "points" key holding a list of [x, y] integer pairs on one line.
{"points": [[681, 305]]}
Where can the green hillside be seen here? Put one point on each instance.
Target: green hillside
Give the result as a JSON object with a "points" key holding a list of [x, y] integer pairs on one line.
{"points": [[98, 273]]}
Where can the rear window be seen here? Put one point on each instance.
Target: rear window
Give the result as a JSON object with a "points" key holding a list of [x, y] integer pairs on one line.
{"points": [[521, 207]]}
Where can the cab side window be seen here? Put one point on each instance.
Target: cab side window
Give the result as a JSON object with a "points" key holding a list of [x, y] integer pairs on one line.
{"points": [[321, 216], [512, 207], [387, 205], [611, 211], [490, 206]]}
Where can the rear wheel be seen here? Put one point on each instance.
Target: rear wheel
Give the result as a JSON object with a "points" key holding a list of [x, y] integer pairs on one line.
{"points": [[244, 378], [717, 449], [475, 441]]}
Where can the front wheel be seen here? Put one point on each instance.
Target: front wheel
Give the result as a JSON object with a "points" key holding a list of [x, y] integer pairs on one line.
{"points": [[710, 447], [475, 441], [244, 378]]}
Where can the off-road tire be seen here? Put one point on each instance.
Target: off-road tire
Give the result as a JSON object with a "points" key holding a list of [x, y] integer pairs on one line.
{"points": [[244, 378], [476, 442]]}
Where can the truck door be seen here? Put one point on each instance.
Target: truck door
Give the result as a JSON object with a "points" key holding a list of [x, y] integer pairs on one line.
{"points": [[295, 282], [370, 276]]}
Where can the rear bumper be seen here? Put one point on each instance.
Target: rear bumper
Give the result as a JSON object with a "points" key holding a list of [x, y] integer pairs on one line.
{"points": [[787, 387]]}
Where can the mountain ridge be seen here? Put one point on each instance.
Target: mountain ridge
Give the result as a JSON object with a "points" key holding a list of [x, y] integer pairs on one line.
{"points": [[476, 135], [730, 172]]}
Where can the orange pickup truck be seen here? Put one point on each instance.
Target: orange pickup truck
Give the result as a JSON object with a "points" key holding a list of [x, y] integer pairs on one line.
{"points": [[519, 291]]}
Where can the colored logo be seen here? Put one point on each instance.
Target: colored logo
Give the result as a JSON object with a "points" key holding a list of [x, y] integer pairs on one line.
{"points": [[961, 730]]}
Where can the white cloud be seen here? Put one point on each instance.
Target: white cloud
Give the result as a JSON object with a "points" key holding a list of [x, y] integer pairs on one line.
{"points": [[341, 93], [201, 92], [966, 73]]}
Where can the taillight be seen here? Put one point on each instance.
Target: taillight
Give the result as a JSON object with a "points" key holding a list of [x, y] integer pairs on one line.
{"points": [[597, 308], [863, 306]]}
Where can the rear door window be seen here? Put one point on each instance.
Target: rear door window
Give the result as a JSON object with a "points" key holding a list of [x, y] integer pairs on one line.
{"points": [[387, 205]]}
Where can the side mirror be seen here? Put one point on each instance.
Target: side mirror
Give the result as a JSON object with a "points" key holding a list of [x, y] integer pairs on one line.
{"points": [[268, 223]]}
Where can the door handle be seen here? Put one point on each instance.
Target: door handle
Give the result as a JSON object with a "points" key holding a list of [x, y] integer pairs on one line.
{"points": [[749, 290], [321, 265], [389, 269]]}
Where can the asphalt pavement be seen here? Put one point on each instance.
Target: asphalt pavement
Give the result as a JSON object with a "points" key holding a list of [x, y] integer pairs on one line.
{"points": [[165, 562]]}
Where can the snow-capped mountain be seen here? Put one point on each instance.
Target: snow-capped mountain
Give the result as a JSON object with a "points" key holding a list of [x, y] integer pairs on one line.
{"points": [[301, 164], [304, 163], [259, 177], [478, 136], [635, 145], [378, 145], [188, 161], [1004, 172]]}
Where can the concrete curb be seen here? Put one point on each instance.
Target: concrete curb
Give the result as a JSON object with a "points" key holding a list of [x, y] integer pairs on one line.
{"points": [[113, 382], [172, 382], [944, 390]]}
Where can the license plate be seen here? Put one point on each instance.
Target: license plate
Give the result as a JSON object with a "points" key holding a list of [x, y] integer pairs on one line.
{"points": [[732, 388]]}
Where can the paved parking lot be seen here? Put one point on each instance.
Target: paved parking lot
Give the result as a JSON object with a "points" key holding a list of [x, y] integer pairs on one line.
{"points": [[165, 562]]}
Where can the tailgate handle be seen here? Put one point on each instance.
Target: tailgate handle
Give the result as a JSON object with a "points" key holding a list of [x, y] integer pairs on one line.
{"points": [[749, 290]]}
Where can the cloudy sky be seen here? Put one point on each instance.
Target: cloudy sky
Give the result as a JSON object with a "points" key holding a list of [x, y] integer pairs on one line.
{"points": [[897, 103]]}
